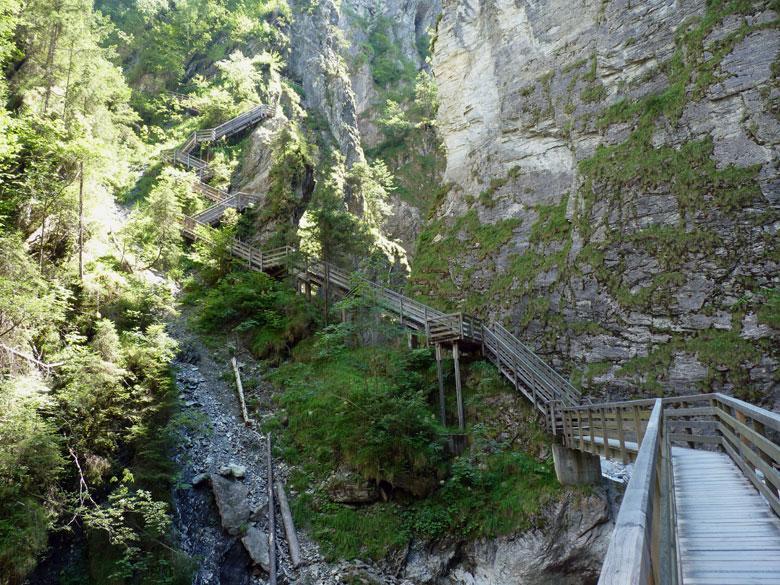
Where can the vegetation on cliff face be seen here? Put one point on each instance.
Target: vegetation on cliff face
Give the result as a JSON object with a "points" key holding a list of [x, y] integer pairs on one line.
{"points": [[655, 208], [350, 404]]}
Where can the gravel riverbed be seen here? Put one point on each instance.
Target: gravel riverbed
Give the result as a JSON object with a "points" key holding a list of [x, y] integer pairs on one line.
{"points": [[213, 437]]}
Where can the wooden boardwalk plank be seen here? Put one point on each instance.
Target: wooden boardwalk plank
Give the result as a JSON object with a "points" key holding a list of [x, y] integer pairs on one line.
{"points": [[727, 534]]}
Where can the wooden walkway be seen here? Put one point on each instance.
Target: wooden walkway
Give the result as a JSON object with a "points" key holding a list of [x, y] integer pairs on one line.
{"points": [[689, 516], [726, 531]]}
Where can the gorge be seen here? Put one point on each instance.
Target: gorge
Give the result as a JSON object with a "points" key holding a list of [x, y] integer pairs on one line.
{"points": [[590, 188]]}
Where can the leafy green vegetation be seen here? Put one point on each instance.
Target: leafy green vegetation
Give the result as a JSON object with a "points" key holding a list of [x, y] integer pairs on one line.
{"points": [[725, 354], [439, 243], [253, 306], [769, 310], [411, 147], [370, 409]]}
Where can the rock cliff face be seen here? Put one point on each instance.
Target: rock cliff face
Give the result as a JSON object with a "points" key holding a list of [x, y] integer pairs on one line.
{"points": [[340, 53], [614, 186], [316, 60], [567, 551]]}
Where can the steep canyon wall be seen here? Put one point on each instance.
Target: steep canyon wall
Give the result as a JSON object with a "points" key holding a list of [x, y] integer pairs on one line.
{"points": [[614, 186]]}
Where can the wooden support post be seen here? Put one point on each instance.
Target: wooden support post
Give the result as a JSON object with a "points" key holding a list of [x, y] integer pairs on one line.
{"points": [[307, 289], [401, 316], [240, 387], [440, 376], [458, 389], [621, 434], [271, 517], [761, 430], [592, 447], [289, 526], [638, 425], [411, 339], [688, 430], [553, 426]]}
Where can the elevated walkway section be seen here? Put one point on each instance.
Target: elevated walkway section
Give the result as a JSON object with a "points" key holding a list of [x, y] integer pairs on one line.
{"points": [[703, 502]]}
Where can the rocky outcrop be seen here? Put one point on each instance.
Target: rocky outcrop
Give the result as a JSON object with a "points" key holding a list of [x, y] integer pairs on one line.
{"points": [[258, 158], [615, 186], [405, 24], [347, 487], [316, 61], [232, 501], [255, 542], [567, 550]]}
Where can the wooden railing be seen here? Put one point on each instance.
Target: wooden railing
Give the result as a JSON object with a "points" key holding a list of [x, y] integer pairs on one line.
{"points": [[750, 436], [238, 201], [746, 432], [544, 387], [643, 547], [200, 167], [212, 193], [631, 430], [232, 126], [454, 326], [263, 260], [614, 430]]}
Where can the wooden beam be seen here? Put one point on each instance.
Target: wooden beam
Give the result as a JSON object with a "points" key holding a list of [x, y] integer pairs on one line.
{"points": [[30, 358], [440, 377], [240, 386], [271, 516], [458, 389], [289, 526]]}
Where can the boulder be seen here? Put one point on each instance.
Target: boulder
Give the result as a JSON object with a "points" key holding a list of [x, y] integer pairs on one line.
{"points": [[347, 487], [232, 470], [256, 544], [231, 497], [199, 479]]}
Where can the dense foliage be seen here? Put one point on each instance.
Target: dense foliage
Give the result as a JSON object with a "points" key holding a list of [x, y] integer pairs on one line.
{"points": [[355, 398], [267, 314]]}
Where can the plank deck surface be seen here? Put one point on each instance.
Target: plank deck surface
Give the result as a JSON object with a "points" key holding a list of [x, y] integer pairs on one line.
{"points": [[726, 531]]}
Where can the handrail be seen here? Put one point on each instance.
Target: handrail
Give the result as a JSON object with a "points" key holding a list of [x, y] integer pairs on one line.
{"points": [[643, 546], [612, 429], [747, 433]]}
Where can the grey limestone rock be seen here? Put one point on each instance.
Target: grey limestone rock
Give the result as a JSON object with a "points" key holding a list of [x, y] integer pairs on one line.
{"points": [[232, 502]]}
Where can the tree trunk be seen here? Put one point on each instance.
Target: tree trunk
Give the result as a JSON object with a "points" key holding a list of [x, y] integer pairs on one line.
{"points": [[67, 86], [43, 234], [326, 290], [50, 56], [81, 221]]}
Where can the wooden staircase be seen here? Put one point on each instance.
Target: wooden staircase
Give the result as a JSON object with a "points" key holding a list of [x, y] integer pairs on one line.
{"points": [[689, 517]]}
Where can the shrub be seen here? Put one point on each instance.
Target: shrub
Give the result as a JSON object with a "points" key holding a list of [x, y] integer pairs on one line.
{"points": [[366, 408], [269, 315]]}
